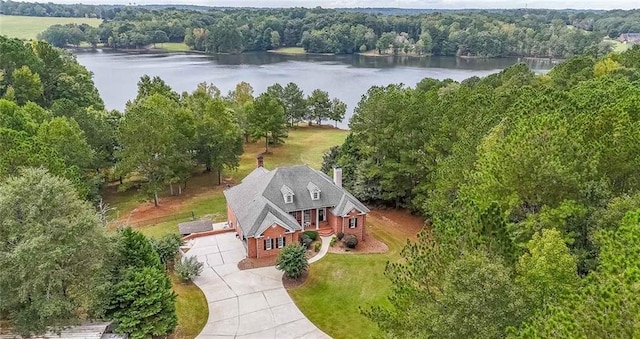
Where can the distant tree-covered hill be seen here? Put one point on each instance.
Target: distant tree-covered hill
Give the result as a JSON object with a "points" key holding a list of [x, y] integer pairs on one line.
{"points": [[468, 33]]}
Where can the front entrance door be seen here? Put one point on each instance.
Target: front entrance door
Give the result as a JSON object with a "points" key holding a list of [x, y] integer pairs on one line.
{"points": [[321, 214], [307, 218]]}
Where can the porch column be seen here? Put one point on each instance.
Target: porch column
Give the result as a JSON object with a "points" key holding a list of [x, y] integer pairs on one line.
{"points": [[302, 220], [317, 218]]}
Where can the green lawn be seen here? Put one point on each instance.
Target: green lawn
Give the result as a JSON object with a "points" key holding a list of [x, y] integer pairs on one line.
{"points": [[173, 47], [191, 307], [341, 283], [28, 27], [289, 50]]}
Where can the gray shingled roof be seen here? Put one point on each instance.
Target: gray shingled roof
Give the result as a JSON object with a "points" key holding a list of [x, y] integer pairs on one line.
{"points": [[258, 201], [197, 226], [85, 331]]}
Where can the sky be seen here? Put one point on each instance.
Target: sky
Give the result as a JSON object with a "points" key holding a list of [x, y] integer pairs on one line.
{"points": [[438, 4]]}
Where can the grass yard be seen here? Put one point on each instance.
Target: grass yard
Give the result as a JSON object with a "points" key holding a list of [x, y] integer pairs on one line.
{"points": [[341, 283], [28, 27], [191, 307], [173, 47], [289, 50]]}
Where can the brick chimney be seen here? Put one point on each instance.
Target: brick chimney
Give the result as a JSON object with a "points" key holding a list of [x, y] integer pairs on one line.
{"points": [[260, 161], [337, 176]]}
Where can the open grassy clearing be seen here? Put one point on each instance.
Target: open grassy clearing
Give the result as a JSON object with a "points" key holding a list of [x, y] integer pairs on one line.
{"points": [[289, 50], [173, 47], [191, 307], [339, 284], [28, 27]]}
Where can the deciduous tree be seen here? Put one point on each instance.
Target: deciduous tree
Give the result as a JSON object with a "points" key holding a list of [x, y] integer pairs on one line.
{"points": [[52, 249], [164, 151]]}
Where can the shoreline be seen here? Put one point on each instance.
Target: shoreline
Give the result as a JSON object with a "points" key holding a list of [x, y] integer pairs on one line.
{"points": [[293, 54]]}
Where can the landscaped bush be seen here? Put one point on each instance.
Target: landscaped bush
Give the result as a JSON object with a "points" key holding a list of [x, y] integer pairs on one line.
{"points": [[333, 241], [311, 234], [350, 240], [188, 268], [167, 246], [317, 246], [306, 241], [340, 235], [292, 259]]}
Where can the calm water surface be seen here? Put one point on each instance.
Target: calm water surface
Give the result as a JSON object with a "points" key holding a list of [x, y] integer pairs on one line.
{"points": [[347, 77]]}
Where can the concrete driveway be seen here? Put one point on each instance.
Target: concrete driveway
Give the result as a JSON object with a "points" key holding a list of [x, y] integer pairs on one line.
{"points": [[245, 304]]}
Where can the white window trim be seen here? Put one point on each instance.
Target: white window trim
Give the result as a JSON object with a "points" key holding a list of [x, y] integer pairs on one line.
{"points": [[288, 198], [315, 195], [280, 242], [353, 223], [269, 243]]}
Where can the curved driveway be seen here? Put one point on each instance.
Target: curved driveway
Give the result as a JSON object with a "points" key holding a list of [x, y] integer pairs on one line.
{"points": [[245, 304]]}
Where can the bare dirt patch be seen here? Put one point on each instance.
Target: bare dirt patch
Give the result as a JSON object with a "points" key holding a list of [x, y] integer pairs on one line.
{"points": [[400, 221], [200, 185]]}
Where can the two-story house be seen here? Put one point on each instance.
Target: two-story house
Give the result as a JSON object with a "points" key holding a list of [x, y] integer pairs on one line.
{"points": [[270, 209]]}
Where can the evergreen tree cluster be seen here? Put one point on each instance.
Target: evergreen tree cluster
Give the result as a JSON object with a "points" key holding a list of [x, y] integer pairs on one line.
{"points": [[530, 186]]}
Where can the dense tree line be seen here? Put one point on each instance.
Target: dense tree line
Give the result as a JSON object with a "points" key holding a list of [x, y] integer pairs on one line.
{"points": [[530, 185], [524, 32]]}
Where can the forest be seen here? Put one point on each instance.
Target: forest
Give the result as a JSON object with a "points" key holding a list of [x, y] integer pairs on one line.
{"points": [[497, 33], [531, 190]]}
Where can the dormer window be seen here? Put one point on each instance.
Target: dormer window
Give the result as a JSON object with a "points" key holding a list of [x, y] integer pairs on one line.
{"points": [[287, 194], [314, 190]]}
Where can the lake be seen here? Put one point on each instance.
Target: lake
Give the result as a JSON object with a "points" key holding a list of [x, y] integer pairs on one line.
{"points": [[347, 77]]}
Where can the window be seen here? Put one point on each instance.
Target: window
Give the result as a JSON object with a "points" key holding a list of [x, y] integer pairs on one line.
{"points": [[353, 222], [288, 199], [281, 242], [268, 244], [315, 196]]}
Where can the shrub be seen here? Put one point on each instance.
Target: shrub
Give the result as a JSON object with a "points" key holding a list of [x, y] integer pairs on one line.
{"points": [[188, 268], [292, 260], [317, 246], [306, 241], [340, 235], [167, 246], [333, 241], [311, 234], [350, 240]]}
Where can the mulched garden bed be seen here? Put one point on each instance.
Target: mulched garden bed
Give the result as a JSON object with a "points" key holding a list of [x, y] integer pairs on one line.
{"points": [[249, 263], [292, 283], [369, 245]]}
